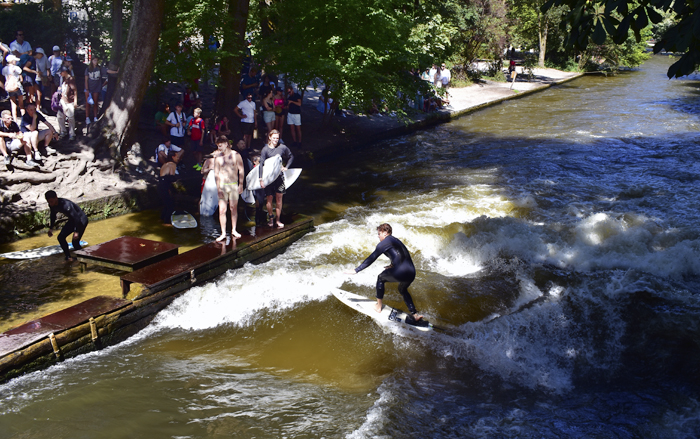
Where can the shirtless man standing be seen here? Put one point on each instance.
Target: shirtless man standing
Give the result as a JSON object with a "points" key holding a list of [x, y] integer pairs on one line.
{"points": [[229, 173]]}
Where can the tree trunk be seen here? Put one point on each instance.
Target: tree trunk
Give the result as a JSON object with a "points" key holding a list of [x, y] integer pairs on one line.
{"points": [[117, 17], [232, 47], [543, 28], [117, 128]]}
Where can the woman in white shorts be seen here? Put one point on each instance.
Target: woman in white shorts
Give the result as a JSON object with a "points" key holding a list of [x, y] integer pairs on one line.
{"points": [[268, 104]]}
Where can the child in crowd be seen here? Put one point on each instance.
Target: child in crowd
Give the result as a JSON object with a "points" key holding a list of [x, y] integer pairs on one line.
{"points": [[196, 130], [13, 84]]}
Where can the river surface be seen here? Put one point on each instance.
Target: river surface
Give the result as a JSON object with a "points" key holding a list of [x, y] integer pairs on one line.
{"points": [[557, 237]]}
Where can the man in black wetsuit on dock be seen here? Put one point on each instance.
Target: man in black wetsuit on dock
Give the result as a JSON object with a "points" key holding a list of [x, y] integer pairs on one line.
{"points": [[77, 221], [401, 269]]}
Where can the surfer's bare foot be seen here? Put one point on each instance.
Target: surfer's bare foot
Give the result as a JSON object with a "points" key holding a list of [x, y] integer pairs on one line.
{"points": [[70, 259], [279, 225], [378, 307], [221, 238], [235, 234], [417, 316]]}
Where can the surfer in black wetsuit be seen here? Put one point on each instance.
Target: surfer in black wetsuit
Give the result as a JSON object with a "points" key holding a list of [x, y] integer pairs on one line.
{"points": [[401, 269], [77, 221]]}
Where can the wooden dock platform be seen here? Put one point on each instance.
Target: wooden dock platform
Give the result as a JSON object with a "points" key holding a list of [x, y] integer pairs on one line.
{"points": [[127, 253], [103, 321]]}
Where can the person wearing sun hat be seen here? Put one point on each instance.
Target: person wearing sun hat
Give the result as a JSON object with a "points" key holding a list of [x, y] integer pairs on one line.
{"points": [[13, 84], [42, 74]]}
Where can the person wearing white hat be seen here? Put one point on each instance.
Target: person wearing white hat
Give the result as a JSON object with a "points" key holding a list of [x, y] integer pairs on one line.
{"points": [[13, 83], [42, 74], [55, 63]]}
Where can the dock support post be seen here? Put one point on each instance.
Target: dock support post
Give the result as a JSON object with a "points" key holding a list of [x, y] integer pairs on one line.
{"points": [[93, 329], [54, 345]]}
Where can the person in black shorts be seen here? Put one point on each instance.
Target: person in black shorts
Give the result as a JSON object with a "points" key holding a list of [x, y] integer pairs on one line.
{"points": [[277, 188], [77, 222], [401, 269]]}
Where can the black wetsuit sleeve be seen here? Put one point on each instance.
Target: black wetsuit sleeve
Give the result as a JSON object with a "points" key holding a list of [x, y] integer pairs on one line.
{"points": [[287, 156], [381, 248], [52, 217]]}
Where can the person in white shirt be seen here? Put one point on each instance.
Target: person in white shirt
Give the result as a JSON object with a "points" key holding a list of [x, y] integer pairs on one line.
{"points": [[165, 150], [445, 77], [432, 73], [13, 84], [20, 47], [178, 126], [246, 111]]}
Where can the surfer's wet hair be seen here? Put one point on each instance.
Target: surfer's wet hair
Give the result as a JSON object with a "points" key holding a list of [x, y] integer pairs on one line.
{"points": [[384, 228], [221, 139], [50, 195]]}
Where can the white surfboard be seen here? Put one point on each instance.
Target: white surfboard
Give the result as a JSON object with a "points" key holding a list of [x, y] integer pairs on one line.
{"points": [[388, 317], [39, 252], [290, 176], [183, 220], [209, 200], [271, 170]]}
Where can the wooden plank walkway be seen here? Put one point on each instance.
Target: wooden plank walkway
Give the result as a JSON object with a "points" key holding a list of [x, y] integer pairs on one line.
{"points": [[127, 253]]}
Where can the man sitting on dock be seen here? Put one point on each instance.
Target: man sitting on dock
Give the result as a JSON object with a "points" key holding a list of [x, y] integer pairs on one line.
{"points": [[77, 222], [229, 173]]}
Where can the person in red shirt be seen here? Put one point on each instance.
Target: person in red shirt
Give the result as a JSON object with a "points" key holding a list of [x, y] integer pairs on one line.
{"points": [[195, 129]]}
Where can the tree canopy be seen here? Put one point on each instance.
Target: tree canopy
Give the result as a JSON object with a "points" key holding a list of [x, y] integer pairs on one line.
{"points": [[595, 20]]}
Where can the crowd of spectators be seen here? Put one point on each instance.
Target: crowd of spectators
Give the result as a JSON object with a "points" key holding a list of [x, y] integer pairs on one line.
{"points": [[37, 84], [264, 106]]}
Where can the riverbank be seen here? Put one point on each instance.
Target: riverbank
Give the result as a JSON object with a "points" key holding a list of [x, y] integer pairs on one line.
{"points": [[75, 173]]}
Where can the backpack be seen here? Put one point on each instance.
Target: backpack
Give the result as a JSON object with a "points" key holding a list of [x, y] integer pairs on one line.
{"points": [[56, 102], [200, 124], [12, 84]]}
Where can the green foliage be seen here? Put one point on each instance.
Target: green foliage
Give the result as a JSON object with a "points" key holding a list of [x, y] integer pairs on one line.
{"points": [[529, 64], [189, 27], [565, 63], [610, 56], [594, 21], [360, 49], [41, 25], [482, 28]]}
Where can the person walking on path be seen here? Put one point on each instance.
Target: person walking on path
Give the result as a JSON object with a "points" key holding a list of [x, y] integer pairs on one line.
{"points": [[77, 222], [445, 78], [277, 188], [229, 173], [400, 270]]}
